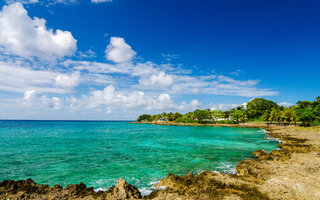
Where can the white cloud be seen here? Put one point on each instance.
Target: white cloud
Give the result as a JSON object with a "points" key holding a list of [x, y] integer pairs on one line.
{"points": [[223, 107], [20, 35], [62, 1], [160, 80], [22, 1], [53, 103], [238, 72], [96, 67], [109, 96], [100, 1], [119, 51], [169, 57], [87, 54], [29, 97], [42, 2], [167, 79], [218, 85], [194, 104], [285, 104], [68, 81], [108, 110], [31, 100], [17, 78], [162, 102]]}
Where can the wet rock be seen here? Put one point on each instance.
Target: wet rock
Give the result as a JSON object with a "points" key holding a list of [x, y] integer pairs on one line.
{"points": [[260, 153], [123, 190], [28, 189]]}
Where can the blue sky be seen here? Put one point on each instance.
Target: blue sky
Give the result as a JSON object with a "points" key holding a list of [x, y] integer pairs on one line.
{"points": [[100, 59]]}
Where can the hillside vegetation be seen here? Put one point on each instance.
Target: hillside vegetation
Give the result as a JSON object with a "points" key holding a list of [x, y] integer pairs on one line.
{"points": [[305, 113]]}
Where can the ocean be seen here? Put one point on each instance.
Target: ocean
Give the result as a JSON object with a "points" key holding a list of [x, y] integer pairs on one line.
{"points": [[98, 153]]}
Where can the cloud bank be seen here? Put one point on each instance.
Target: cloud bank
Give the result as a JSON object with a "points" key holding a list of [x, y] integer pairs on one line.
{"points": [[44, 67]]}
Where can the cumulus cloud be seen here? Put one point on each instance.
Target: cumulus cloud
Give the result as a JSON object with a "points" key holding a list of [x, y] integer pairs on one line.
{"points": [[26, 37], [119, 51], [111, 99], [53, 103], [87, 54], [162, 102], [100, 1], [162, 80], [167, 79], [68, 81], [108, 110], [140, 85], [109, 96], [195, 103], [184, 106], [30, 99]]}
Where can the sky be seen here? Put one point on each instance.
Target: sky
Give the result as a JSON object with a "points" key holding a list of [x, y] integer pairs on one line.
{"points": [[117, 59]]}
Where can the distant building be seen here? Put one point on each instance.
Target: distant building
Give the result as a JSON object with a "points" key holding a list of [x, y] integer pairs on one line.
{"points": [[163, 119], [223, 119]]}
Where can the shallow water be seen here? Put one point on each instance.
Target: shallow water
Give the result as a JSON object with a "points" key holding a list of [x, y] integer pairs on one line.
{"points": [[99, 153]]}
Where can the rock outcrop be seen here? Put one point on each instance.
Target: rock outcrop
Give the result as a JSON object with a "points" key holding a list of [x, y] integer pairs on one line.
{"points": [[123, 190], [28, 189]]}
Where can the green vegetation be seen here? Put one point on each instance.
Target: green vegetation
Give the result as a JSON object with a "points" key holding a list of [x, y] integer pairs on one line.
{"points": [[306, 113]]}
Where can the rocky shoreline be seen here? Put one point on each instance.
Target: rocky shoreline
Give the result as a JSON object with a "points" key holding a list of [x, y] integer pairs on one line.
{"points": [[293, 172]]}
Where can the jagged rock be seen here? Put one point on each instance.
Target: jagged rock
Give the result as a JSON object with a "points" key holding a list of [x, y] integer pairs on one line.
{"points": [[123, 190], [260, 153], [28, 189]]}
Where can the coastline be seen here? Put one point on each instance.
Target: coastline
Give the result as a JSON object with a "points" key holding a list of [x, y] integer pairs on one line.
{"points": [[241, 125], [288, 173]]}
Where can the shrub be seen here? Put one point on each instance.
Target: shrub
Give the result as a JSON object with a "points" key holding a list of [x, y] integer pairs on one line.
{"points": [[185, 120], [144, 117], [316, 123], [226, 122]]}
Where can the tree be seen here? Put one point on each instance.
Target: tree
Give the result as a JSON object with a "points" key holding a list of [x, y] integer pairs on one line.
{"points": [[216, 114], [289, 114], [170, 116], [176, 115], [201, 115], [156, 117], [307, 112], [275, 115], [306, 116], [238, 115], [317, 101], [144, 117], [259, 106]]}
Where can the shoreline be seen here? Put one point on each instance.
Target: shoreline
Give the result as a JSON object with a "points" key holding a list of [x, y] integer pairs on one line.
{"points": [[256, 178], [241, 125]]}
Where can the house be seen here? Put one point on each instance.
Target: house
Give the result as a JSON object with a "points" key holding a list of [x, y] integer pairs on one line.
{"points": [[163, 119]]}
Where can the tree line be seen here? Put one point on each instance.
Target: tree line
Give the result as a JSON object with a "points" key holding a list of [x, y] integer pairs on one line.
{"points": [[305, 113]]}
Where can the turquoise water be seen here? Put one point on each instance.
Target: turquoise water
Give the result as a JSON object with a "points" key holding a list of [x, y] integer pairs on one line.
{"points": [[99, 153]]}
